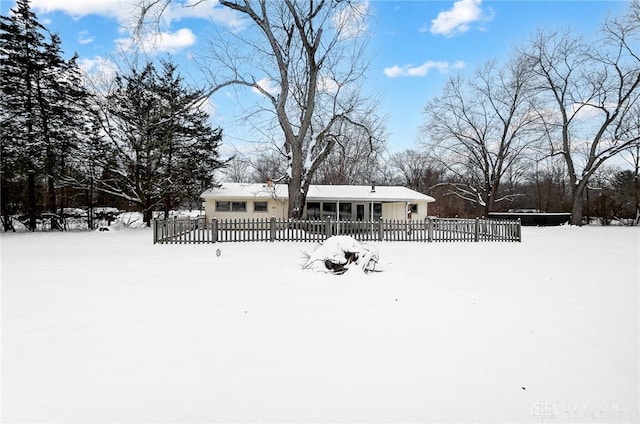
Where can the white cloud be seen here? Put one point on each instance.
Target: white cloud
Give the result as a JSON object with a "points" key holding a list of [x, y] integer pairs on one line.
{"points": [[160, 42], [457, 20], [351, 21], [267, 85], [207, 105], [327, 84], [125, 11], [422, 70], [84, 37], [120, 9], [98, 68]]}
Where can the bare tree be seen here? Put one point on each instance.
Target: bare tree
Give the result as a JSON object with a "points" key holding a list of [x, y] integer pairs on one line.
{"points": [[238, 170], [480, 128], [269, 165], [356, 160], [592, 93], [306, 60], [416, 170]]}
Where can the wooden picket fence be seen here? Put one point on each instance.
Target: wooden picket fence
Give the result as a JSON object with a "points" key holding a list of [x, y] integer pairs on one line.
{"points": [[199, 230]]}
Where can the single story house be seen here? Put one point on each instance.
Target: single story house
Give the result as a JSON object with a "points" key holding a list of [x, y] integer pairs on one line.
{"points": [[338, 202]]}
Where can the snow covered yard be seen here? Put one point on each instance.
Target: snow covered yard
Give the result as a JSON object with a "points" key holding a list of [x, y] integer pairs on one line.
{"points": [[106, 327]]}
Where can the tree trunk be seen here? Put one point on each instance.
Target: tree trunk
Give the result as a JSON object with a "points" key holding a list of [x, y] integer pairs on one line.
{"points": [[32, 201], [576, 208], [55, 225], [147, 215]]}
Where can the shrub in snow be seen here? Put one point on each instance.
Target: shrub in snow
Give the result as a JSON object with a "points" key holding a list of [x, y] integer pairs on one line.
{"points": [[339, 254]]}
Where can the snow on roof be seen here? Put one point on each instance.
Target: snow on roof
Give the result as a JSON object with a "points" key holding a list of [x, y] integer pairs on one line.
{"points": [[366, 194], [246, 190], [358, 193]]}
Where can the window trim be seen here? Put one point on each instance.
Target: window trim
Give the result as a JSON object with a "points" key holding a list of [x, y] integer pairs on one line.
{"points": [[226, 208], [260, 202], [231, 206], [239, 206]]}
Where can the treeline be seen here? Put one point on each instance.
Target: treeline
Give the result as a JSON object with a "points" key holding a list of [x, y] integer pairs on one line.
{"points": [[554, 127], [143, 144], [613, 194]]}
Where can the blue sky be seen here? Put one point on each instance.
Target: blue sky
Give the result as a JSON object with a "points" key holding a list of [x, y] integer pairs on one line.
{"points": [[414, 46]]}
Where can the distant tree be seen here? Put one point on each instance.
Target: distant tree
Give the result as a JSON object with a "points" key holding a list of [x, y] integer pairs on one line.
{"points": [[269, 165], [626, 188], [548, 185], [416, 170], [481, 128], [592, 96], [238, 170], [162, 150], [354, 160], [632, 157]]}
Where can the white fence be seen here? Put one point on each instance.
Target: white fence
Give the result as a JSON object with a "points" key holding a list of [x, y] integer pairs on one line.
{"points": [[189, 231]]}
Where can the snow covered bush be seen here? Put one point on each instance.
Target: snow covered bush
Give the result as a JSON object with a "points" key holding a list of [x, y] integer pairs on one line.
{"points": [[339, 254]]}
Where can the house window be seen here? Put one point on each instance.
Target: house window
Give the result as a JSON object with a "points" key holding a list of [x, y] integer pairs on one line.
{"points": [[345, 212], [313, 210], [329, 210], [413, 208], [239, 206], [377, 211], [260, 207], [223, 206]]}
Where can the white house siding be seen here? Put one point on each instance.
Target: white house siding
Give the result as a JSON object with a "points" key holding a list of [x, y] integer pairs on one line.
{"points": [[398, 210], [393, 201], [274, 208]]}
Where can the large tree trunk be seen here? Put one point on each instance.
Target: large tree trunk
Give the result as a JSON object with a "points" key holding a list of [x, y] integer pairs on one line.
{"points": [[576, 208]]}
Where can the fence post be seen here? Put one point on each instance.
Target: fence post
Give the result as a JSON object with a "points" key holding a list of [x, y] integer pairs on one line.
{"points": [[155, 230], [519, 230], [272, 228], [380, 230], [477, 230], [214, 230], [429, 230], [327, 227]]}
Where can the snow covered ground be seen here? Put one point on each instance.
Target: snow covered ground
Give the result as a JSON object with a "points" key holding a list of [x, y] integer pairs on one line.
{"points": [[107, 327]]}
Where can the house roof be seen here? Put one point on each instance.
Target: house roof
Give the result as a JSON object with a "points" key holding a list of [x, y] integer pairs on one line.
{"points": [[247, 191], [357, 193]]}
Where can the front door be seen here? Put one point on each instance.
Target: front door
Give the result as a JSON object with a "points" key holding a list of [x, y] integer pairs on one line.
{"points": [[359, 212]]}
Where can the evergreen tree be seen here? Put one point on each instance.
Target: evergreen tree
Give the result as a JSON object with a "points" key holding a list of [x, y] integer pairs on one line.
{"points": [[41, 97], [163, 149], [21, 61]]}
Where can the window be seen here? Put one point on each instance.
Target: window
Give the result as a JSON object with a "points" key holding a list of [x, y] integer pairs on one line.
{"points": [[239, 206], [413, 208], [345, 211], [223, 206], [313, 210], [329, 210], [260, 207], [377, 211]]}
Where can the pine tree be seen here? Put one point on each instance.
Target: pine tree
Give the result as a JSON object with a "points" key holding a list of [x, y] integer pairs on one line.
{"points": [[163, 149], [41, 98], [21, 61]]}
